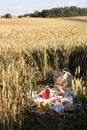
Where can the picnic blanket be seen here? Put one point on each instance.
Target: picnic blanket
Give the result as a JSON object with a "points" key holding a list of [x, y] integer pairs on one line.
{"points": [[60, 101]]}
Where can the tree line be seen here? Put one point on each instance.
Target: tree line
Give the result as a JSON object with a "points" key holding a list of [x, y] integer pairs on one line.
{"points": [[60, 12], [54, 13]]}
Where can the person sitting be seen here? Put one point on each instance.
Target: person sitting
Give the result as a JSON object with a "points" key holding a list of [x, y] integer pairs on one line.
{"points": [[62, 81]]}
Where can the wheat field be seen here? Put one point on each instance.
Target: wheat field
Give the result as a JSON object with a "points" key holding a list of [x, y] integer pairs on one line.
{"points": [[35, 33], [30, 49]]}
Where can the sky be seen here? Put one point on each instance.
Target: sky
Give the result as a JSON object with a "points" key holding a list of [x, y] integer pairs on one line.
{"points": [[20, 7]]}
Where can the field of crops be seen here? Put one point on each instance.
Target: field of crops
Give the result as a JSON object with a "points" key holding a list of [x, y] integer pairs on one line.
{"points": [[30, 50], [30, 33]]}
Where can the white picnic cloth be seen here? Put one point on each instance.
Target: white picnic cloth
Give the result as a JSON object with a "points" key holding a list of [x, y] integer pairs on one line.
{"points": [[38, 99], [56, 107]]}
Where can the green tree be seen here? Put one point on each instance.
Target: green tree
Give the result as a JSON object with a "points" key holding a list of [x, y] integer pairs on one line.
{"points": [[35, 14], [45, 13], [8, 15], [61, 12]]}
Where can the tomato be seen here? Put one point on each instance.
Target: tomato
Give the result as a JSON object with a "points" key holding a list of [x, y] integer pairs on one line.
{"points": [[65, 102]]}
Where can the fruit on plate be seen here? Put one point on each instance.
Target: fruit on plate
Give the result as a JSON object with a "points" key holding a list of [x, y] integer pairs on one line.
{"points": [[65, 102], [43, 104], [48, 104], [45, 95], [39, 105]]}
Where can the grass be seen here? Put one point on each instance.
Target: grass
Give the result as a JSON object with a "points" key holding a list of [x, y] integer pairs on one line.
{"points": [[30, 50]]}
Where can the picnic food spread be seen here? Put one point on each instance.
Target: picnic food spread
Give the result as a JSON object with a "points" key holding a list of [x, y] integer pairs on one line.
{"points": [[54, 99], [60, 97]]}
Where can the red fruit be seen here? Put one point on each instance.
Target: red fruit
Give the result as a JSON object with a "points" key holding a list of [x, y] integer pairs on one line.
{"points": [[42, 96], [47, 91], [46, 94], [65, 102]]}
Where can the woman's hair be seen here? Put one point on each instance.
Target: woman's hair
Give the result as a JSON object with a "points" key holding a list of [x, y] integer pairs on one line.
{"points": [[63, 78]]}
